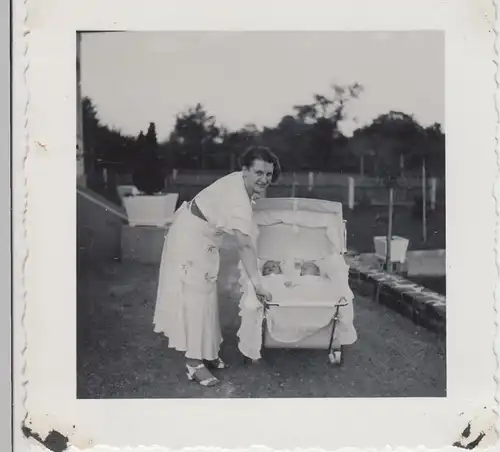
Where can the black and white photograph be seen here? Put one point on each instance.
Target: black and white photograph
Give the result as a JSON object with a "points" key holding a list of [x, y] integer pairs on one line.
{"points": [[261, 214], [255, 225]]}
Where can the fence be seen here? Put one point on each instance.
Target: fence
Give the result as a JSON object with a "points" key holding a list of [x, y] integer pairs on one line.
{"points": [[351, 190], [302, 178], [348, 189]]}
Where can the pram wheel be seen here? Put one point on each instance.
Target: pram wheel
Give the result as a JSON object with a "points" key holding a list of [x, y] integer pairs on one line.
{"points": [[335, 357]]}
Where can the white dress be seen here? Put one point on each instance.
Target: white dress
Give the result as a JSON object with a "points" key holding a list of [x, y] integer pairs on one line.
{"points": [[187, 306]]}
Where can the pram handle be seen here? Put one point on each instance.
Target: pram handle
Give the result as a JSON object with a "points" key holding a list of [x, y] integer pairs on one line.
{"points": [[302, 305]]}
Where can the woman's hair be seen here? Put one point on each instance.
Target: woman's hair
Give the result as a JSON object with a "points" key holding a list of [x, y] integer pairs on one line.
{"points": [[261, 153]]}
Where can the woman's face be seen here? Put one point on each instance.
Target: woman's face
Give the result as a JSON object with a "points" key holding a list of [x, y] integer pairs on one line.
{"points": [[258, 176]]}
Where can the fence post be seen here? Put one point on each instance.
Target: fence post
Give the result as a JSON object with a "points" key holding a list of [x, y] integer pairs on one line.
{"points": [[351, 192], [294, 183], [424, 202], [388, 243], [310, 184], [433, 193]]}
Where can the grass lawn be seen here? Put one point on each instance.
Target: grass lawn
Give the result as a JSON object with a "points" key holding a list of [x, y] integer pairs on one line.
{"points": [[362, 226]]}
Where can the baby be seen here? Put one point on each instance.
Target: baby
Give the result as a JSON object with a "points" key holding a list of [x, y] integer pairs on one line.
{"points": [[271, 268], [309, 268]]}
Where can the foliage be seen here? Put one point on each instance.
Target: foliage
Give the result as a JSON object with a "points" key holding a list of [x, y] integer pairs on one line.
{"points": [[108, 147], [323, 136], [194, 137], [395, 142], [308, 138], [148, 175], [150, 140], [104, 145]]}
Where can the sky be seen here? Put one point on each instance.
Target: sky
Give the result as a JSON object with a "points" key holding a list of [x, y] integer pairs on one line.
{"points": [[135, 78]]}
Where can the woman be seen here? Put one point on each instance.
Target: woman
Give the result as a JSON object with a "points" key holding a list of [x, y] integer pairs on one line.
{"points": [[186, 307]]}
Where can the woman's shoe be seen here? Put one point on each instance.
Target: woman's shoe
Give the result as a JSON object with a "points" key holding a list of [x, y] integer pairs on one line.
{"points": [[192, 375], [216, 364]]}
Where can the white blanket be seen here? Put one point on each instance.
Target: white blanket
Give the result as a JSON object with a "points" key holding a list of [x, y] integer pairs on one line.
{"points": [[294, 320], [304, 289]]}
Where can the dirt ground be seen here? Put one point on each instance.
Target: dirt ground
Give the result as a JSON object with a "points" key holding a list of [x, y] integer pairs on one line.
{"points": [[119, 355]]}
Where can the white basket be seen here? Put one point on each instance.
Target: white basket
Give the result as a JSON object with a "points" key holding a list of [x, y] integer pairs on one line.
{"points": [[150, 210], [399, 246]]}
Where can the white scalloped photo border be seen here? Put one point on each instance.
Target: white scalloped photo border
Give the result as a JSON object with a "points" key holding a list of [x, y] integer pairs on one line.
{"points": [[44, 139]]}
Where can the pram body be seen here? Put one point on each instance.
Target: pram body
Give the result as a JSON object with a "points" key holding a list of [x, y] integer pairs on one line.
{"points": [[291, 229]]}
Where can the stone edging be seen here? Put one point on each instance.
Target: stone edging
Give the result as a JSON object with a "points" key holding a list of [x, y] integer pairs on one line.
{"points": [[423, 306]]}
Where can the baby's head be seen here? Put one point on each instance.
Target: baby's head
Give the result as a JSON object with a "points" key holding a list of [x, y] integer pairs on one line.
{"points": [[309, 268], [271, 268]]}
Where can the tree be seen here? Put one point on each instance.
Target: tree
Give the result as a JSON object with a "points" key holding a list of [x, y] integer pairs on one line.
{"points": [[223, 155], [324, 115], [430, 154], [234, 143], [290, 142], [394, 139], [360, 145], [306, 112], [434, 150], [194, 134], [90, 130], [90, 126], [90, 118], [329, 107], [391, 139], [149, 173], [151, 140]]}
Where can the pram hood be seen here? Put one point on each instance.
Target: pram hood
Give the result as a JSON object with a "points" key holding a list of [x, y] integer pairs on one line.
{"points": [[291, 229], [298, 228]]}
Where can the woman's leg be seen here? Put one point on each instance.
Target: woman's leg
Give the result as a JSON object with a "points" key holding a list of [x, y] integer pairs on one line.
{"points": [[197, 371], [203, 329]]}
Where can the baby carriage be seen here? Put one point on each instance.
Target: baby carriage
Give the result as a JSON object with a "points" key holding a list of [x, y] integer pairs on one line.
{"points": [[313, 312]]}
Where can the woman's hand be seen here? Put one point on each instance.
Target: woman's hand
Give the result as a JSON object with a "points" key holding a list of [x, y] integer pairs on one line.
{"points": [[248, 257], [263, 295]]}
